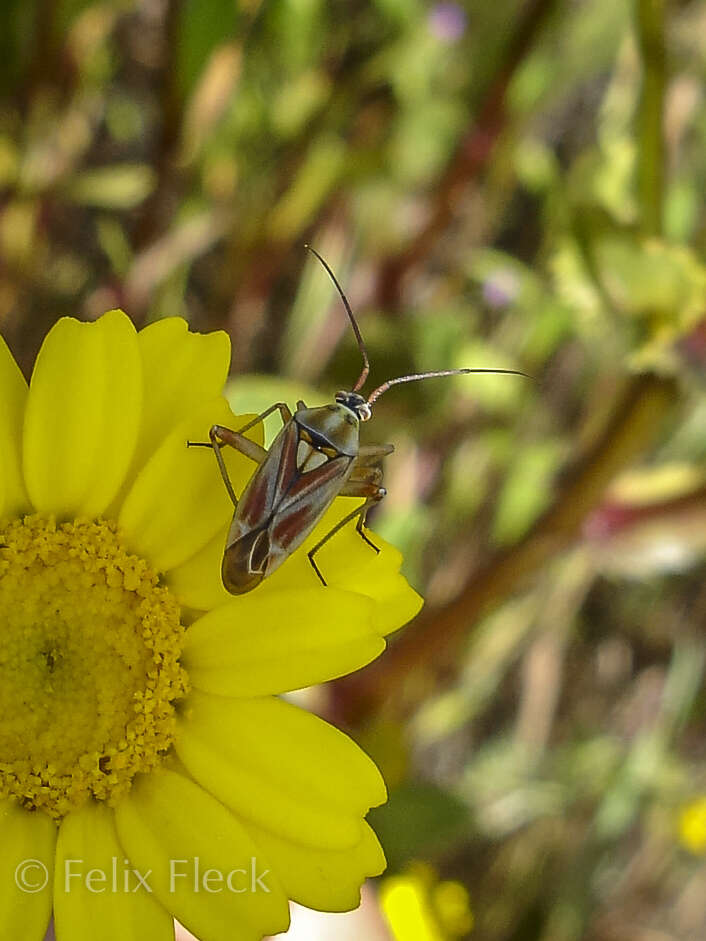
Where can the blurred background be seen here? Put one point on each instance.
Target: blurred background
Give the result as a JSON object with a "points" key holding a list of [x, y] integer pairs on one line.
{"points": [[508, 184]]}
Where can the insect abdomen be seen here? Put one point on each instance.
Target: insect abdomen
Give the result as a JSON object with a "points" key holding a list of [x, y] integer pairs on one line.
{"points": [[245, 562]]}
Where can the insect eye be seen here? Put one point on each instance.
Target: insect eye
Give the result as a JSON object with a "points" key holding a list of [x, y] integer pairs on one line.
{"points": [[364, 412]]}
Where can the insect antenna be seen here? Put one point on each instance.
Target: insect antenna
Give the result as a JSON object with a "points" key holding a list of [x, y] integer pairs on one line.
{"points": [[414, 377], [356, 329]]}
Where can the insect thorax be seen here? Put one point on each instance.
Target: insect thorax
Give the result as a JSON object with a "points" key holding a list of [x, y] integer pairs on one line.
{"points": [[330, 429]]}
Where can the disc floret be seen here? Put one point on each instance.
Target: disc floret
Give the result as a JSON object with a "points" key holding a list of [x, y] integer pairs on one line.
{"points": [[89, 664]]}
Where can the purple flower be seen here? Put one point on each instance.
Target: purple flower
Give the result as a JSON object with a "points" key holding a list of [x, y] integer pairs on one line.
{"points": [[447, 21], [500, 288]]}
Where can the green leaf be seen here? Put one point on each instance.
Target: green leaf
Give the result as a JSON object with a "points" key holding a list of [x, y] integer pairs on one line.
{"points": [[526, 490], [123, 186], [419, 820], [256, 393], [202, 28]]}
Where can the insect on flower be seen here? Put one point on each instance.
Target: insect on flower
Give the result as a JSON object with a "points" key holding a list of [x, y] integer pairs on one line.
{"points": [[315, 458]]}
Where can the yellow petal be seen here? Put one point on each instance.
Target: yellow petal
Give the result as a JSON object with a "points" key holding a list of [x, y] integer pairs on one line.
{"points": [[13, 395], [82, 415], [326, 880], [279, 766], [182, 371], [97, 896], [395, 601], [199, 859], [179, 501], [197, 582], [26, 872], [347, 561], [274, 641], [405, 901]]}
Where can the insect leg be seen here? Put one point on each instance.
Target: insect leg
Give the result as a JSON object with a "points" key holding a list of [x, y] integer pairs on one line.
{"points": [[365, 482], [361, 512], [284, 412], [220, 436], [372, 453]]}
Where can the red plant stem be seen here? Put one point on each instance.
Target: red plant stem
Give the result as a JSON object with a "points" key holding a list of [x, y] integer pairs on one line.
{"points": [[427, 652]]}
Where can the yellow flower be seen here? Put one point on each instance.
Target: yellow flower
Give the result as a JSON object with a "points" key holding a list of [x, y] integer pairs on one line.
{"points": [[417, 907], [147, 767], [692, 825]]}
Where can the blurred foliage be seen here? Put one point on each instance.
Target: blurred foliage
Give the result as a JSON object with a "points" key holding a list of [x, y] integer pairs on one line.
{"points": [[509, 184]]}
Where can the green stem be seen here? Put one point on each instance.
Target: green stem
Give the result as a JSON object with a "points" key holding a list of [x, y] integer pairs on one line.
{"points": [[649, 22]]}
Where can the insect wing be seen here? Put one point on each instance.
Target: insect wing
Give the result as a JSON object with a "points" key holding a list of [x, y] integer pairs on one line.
{"points": [[270, 482], [306, 502], [282, 503]]}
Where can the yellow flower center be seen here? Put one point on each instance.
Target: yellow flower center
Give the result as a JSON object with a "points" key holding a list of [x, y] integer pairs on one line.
{"points": [[89, 664]]}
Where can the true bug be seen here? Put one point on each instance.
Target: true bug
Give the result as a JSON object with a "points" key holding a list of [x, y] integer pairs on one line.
{"points": [[314, 458]]}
